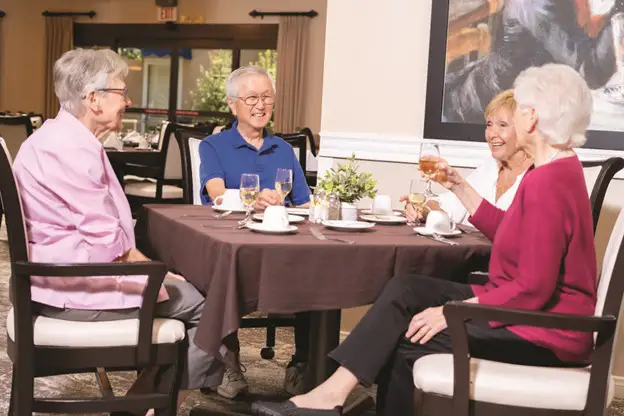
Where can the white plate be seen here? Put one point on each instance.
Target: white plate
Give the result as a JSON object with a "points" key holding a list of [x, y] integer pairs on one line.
{"points": [[223, 209], [384, 219], [298, 211], [291, 218], [348, 225], [260, 228], [369, 212], [427, 232]]}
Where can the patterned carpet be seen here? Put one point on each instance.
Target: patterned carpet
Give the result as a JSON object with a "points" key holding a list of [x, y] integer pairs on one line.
{"points": [[265, 376]]}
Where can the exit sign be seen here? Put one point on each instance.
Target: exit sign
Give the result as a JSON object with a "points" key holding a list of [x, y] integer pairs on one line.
{"points": [[167, 14]]}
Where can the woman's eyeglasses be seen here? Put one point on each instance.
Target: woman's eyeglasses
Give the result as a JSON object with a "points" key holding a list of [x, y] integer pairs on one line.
{"points": [[121, 91]]}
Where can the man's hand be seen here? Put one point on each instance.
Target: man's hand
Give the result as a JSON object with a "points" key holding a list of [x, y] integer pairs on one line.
{"points": [[267, 198]]}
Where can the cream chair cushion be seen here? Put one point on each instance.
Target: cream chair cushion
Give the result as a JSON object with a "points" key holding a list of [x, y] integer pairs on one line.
{"points": [[60, 333], [148, 190], [509, 384]]}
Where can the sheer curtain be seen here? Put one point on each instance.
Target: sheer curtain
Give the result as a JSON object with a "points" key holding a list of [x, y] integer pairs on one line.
{"points": [[59, 32], [291, 55]]}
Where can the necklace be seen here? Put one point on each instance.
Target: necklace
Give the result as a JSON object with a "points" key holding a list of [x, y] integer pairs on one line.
{"points": [[555, 155]]}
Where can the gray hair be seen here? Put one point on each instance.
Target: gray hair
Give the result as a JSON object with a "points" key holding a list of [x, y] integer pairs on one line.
{"points": [[81, 71], [231, 86], [561, 99]]}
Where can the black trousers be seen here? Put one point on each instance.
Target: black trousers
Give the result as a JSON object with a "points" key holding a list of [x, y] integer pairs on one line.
{"points": [[377, 350]]}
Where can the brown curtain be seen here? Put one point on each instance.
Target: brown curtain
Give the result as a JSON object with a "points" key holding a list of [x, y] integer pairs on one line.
{"points": [[291, 55], [59, 31]]}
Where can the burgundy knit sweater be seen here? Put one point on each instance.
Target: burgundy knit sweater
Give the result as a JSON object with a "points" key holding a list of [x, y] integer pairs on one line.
{"points": [[543, 256]]}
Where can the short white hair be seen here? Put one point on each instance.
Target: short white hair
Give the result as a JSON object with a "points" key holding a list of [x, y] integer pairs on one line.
{"points": [[232, 84], [562, 100], [81, 71]]}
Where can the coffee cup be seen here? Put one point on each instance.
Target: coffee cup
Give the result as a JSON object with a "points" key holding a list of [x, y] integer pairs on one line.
{"points": [[275, 217], [382, 205], [229, 200], [439, 222]]}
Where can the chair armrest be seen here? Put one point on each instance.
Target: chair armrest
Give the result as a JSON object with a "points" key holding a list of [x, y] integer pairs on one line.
{"points": [[457, 313], [155, 271], [463, 311]]}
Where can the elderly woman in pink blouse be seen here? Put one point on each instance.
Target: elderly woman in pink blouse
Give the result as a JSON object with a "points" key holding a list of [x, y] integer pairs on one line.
{"points": [[76, 211]]}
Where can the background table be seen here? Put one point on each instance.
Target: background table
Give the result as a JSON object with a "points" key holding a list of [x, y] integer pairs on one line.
{"points": [[240, 271]]}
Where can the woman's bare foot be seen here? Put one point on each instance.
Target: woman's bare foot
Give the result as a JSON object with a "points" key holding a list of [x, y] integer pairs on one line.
{"points": [[333, 392]]}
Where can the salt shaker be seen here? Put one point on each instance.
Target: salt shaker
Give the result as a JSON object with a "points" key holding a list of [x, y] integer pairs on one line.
{"points": [[333, 207]]}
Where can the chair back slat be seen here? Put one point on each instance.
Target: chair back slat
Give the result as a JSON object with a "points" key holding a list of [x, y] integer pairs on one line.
{"points": [[598, 183], [13, 210], [189, 141], [608, 264]]}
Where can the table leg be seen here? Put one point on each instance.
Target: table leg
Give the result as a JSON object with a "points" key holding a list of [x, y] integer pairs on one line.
{"points": [[324, 337]]}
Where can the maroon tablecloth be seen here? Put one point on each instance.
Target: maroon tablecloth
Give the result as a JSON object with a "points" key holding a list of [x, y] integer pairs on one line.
{"points": [[240, 271]]}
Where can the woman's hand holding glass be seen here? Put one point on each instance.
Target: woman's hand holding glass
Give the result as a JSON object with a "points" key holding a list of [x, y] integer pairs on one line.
{"points": [[447, 176], [415, 202], [249, 190], [427, 161]]}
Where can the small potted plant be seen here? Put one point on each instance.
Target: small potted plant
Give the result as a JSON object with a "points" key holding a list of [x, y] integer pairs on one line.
{"points": [[349, 185]]}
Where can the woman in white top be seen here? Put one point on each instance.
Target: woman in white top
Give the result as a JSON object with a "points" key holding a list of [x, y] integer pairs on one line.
{"points": [[497, 179]]}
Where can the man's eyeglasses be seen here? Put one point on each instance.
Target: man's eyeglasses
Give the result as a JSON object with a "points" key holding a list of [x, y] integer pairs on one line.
{"points": [[254, 99]]}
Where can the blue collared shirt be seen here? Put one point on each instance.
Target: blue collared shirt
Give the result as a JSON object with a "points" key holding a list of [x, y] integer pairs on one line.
{"points": [[227, 155]]}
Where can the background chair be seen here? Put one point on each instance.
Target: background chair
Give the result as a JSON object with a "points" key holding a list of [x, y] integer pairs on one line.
{"points": [[39, 346], [456, 384], [167, 172], [189, 144]]}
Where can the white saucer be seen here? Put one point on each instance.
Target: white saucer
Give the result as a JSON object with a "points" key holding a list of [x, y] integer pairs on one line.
{"points": [[221, 208], [348, 225], [384, 219], [291, 218], [298, 211], [261, 228], [369, 212], [427, 232]]}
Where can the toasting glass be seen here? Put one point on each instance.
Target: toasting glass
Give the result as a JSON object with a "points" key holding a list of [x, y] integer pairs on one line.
{"points": [[249, 190], [427, 162], [283, 182]]}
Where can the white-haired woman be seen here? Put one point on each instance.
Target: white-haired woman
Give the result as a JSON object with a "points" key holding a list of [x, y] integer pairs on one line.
{"points": [[76, 211], [248, 147], [542, 260]]}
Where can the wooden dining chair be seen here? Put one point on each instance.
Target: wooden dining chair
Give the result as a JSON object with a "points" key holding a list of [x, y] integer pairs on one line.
{"points": [[598, 176], [39, 346], [460, 385]]}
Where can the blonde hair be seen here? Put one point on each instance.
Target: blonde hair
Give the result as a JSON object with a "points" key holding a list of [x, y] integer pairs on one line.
{"points": [[502, 101]]}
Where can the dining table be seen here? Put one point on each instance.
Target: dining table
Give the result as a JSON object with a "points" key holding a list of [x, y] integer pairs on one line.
{"points": [[241, 271]]}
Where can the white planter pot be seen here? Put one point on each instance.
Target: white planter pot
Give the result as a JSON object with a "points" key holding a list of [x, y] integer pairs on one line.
{"points": [[348, 211]]}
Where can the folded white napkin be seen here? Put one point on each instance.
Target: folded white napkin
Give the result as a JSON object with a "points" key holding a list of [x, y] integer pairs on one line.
{"points": [[132, 137], [112, 141]]}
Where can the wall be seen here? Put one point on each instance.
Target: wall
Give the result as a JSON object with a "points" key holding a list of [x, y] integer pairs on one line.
{"points": [[22, 40], [378, 109]]}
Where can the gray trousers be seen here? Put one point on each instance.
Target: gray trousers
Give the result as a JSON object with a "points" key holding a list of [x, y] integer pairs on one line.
{"points": [[185, 304]]}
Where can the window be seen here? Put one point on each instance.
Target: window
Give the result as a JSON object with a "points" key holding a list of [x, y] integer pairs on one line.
{"points": [[179, 72]]}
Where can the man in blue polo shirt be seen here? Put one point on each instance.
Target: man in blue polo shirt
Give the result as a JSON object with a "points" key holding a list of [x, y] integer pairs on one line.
{"points": [[249, 148]]}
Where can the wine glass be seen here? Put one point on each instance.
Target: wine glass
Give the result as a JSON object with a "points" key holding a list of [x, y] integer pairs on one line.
{"points": [[416, 196], [283, 183], [427, 162], [249, 190]]}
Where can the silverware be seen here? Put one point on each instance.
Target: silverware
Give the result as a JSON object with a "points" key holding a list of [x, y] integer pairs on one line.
{"points": [[320, 236], [223, 214], [441, 239]]}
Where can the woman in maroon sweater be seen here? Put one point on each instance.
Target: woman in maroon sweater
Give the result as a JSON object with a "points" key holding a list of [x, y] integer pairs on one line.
{"points": [[543, 259]]}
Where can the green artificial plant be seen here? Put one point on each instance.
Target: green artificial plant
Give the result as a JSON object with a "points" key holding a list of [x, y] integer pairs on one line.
{"points": [[347, 183]]}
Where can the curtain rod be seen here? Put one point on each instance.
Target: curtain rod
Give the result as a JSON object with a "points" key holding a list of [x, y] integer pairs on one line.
{"points": [[256, 13], [48, 13]]}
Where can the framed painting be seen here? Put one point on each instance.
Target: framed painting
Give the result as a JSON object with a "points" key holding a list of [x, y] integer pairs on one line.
{"points": [[478, 48]]}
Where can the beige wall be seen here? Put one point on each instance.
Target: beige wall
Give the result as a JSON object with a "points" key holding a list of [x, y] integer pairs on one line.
{"points": [[22, 40], [378, 57]]}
